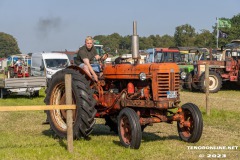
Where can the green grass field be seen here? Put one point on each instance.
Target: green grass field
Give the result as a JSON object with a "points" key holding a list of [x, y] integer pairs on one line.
{"points": [[24, 137]]}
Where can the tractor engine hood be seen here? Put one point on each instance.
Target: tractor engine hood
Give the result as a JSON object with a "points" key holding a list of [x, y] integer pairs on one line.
{"points": [[129, 71]]}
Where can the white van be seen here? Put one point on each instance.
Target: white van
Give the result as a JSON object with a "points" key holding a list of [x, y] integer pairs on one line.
{"points": [[49, 63]]}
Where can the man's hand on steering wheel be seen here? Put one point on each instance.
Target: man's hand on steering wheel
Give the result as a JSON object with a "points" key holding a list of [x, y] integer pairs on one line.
{"points": [[103, 57]]}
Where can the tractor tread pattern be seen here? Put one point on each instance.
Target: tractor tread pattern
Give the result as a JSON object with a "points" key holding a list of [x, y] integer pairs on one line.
{"points": [[85, 112]]}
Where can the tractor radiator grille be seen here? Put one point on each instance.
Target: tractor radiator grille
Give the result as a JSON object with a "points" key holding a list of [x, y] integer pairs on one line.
{"points": [[167, 82]]}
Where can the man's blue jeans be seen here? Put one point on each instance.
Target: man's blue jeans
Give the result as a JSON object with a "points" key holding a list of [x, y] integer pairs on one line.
{"points": [[95, 67]]}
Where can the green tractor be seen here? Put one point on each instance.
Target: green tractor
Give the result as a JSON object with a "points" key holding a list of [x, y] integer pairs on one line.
{"points": [[157, 55]]}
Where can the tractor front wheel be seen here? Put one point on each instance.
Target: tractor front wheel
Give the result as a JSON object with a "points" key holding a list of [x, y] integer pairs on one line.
{"points": [[129, 128], [190, 128]]}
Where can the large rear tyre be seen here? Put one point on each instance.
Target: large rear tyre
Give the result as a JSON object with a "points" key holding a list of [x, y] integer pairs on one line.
{"points": [[215, 82], [190, 130], [83, 116], [129, 128]]}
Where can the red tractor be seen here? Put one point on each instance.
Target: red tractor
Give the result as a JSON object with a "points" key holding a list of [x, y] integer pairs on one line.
{"points": [[128, 96], [224, 70], [18, 66]]}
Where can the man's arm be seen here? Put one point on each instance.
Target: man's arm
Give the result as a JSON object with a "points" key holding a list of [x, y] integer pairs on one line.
{"points": [[97, 57], [87, 63]]}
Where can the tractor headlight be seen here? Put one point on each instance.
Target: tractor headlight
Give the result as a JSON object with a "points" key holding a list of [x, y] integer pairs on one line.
{"points": [[183, 75], [142, 76], [49, 72]]}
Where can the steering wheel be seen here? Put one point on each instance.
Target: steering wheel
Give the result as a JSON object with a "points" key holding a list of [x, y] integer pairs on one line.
{"points": [[104, 57]]}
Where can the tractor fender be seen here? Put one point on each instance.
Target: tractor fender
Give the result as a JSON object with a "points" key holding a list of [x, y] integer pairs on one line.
{"points": [[211, 71], [77, 68]]}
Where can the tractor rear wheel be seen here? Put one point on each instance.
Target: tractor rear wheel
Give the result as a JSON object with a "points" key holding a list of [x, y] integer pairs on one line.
{"points": [[129, 128], [215, 82], [190, 130], [83, 116]]}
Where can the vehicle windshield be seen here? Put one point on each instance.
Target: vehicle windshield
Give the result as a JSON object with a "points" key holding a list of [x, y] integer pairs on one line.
{"points": [[177, 57], [228, 53], [56, 63], [149, 58], [158, 57], [193, 57], [167, 57], [100, 51]]}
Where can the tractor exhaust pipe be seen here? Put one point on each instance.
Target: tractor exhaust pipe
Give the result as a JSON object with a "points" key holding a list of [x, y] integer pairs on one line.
{"points": [[135, 43]]}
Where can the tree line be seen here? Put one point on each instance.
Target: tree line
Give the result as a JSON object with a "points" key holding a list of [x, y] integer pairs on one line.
{"points": [[184, 36]]}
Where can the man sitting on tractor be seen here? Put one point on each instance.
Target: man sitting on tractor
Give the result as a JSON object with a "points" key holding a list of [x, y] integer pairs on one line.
{"points": [[85, 58], [18, 63]]}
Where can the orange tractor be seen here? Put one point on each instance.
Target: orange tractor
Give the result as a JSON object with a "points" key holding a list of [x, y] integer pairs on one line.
{"points": [[128, 96]]}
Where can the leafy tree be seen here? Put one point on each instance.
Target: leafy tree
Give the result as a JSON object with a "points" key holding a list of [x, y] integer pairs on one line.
{"points": [[184, 35], [100, 38], [8, 45], [115, 39], [111, 41], [104, 40], [205, 39], [157, 41], [167, 41], [154, 40], [235, 29], [125, 44], [145, 43]]}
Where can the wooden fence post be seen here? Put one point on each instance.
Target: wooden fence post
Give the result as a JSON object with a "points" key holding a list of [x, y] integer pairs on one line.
{"points": [[68, 91], [207, 88]]}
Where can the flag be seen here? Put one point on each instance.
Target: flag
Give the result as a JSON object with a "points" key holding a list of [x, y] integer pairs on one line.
{"points": [[224, 23], [222, 34]]}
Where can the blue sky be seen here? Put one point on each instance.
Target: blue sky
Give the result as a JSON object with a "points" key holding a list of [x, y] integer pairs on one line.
{"points": [[50, 25]]}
